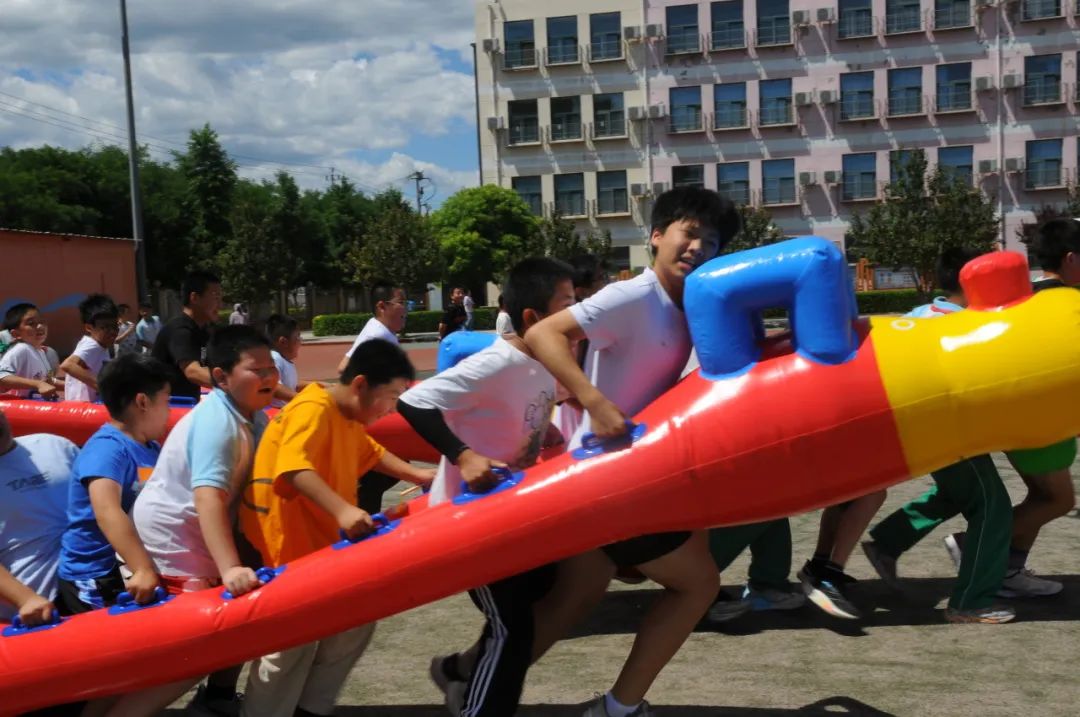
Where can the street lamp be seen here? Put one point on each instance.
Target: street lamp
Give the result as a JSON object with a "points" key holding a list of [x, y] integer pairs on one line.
{"points": [[133, 167]]}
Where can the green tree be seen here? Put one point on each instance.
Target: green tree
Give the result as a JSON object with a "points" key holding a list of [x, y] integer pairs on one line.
{"points": [[482, 230], [254, 262], [398, 247], [1069, 209], [559, 238], [757, 230], [211, 181], [922, 214], [346, 214]]}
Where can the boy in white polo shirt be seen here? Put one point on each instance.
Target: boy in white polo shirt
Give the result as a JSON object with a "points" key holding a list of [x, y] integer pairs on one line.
{"points": [[493, 410], [284, 334], [639, 343], [100, 319], [25, 367], [390, 306]]}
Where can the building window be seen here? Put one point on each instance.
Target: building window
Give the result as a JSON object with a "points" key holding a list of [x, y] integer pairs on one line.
{"points": [[690, 175], [733, 181], [520, 44], [1038, 9], [570, 194], [611, 196], [957, 162], [952, 13], [609, 119], [1042, 79], [905, 91], [776, 107], [729, 105], [856, 19], [902, 16], [683, 34], [528, 188], [605, 36], [524, 122], [1043, 166], [565, 118], [860, 176], [685, 109], [898, 163], [773, 22], [954, 87], [778, 181], [562, 40], [856, 95], [727, 25]]}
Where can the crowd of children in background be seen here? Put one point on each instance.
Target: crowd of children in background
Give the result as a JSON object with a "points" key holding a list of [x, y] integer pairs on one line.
{"points": [[231, 490]]}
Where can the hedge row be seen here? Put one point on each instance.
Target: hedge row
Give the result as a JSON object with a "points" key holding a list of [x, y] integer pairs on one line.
{"points": [[418, 322], [893, 301]]}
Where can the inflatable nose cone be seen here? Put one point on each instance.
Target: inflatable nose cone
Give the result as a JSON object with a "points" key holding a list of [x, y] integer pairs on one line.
{"points": [[996, 280]]}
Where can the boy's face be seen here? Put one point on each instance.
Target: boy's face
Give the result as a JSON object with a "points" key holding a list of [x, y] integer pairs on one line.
{"points": [[252, 381], [682, 247], [372, 403], [144, 312], [289, 346], [394, 311], [153, 413], [31, 329], [104, 331], [561, 298], [206, 305], [457, 296]]}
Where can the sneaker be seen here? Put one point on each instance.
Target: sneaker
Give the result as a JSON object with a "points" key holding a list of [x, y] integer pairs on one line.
{"points": [[954, 546], [762, 599], [597, 708], [1022, 583], [884, 565], [444, 671], [203, 706], [992, 615], [826, 592], [726, 608], [455, 697]]}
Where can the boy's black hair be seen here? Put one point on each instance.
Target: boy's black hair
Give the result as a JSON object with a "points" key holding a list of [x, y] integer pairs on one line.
{"points": [[146, 305], [14, 316], [197, 282], [382, 291], [123, 307], [949, 264], [1053, 240], [704, 206], [279, 326], [98, 306], [227, 343], [587, 269], [380, 362], [531, 284], [128, 375]]}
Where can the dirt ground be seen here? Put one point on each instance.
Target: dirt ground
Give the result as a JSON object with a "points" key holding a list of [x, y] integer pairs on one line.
{"points": [[901, 659]]}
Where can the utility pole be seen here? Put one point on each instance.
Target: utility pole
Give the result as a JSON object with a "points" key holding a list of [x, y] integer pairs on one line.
{"points": [[133, 167], [419, 177]]}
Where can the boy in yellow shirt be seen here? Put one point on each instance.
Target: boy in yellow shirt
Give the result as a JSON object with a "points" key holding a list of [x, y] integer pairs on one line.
{"points": [[303, 491]]}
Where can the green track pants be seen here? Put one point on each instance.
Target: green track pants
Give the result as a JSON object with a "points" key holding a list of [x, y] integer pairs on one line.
{"points": [[770, 550]]}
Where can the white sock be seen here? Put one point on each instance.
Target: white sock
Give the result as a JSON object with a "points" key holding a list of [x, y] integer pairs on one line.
{"points": [[617, 709]]}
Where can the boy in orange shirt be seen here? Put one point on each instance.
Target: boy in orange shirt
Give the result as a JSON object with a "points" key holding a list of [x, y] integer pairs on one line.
{"points": [[303, 491]]}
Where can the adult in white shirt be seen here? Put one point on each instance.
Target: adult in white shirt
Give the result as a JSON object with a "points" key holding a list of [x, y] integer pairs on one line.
{"points": [[470, 306], [391, 308]]}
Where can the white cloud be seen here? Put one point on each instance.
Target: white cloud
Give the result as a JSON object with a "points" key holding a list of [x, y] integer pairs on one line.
{"points": [[318, 83]]}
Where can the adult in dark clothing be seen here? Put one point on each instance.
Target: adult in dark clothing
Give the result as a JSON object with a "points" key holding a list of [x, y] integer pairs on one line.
{"points": [[181, 345], [454, 318]]}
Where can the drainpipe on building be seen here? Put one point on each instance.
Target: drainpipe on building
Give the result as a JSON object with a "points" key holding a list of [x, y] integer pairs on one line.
{"points": [[476, 97], [1000, 120], [647, 47]]}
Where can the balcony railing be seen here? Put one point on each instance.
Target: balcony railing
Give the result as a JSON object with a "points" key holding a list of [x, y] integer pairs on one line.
{"points": [[565, 54], [737, 193], [728, 117], [726, 38], [1042, 176], [774, 30], [1042, 91], [685, 119], [606, 50], [612, 202], [780, 113], [954, 98], [683, 40], [952, 16], [525, 132], [565, 130], [519, 57], [855, 23], [1039, 9], [856, 106], [571, 204], [905, 103], [779, 191], [859, 187], [614, 125], [905, 20]]}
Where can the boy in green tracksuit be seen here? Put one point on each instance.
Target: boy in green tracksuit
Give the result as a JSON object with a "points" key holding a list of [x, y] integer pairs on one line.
{"points": [[971, 487]]}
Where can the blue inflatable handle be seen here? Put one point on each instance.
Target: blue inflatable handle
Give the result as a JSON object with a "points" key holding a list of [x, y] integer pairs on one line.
{"points": [[507, 479], [182, 401], [383, 525], [265, 575], [593, 446], [18, 627], [125, 602]]}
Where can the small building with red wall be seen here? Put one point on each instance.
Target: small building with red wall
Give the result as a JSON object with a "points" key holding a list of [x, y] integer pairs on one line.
{"points": [[57, 271]]}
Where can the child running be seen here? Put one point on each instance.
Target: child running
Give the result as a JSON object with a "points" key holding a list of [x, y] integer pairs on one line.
{"points": [[99, 316], [24, 367]]}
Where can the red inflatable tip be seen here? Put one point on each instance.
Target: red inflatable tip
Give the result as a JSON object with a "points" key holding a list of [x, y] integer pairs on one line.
{"points": [[996, 280]]}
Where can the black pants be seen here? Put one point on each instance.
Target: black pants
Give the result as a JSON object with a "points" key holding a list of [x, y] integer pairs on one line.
{"points": [[506, 644], [74, 598], [369, 492]]}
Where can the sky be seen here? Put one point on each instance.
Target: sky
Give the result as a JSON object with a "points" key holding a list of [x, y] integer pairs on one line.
{"points": [[372, 89]]}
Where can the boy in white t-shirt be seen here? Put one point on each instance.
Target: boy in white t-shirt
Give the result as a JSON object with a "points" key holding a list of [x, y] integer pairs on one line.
{"points": [[639, 344], [390, 307], [100, 319], [493, 410], [284, 334], [24, 367]]}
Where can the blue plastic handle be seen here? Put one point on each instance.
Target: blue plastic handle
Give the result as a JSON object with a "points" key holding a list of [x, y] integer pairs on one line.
{"points": [[593, 446], [264, 574], [181, 401], [507, 479], [383, 525], [18, 627], [125, 602]]}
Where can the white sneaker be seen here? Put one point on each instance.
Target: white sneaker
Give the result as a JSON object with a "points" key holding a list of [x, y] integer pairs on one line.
{"points": [[1023, 583], [597, 708], [954, 546]]}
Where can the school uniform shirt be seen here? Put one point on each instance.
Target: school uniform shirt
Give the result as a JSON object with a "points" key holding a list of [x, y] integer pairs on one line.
{"points": [[147, 330], [212, 446], [639, 344], [25, 361], [182, 341], [85, 552], [497, 401], [95, 356], [504, 324], [310, 433], [373, 329], [286, 376], [34, 478]]}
